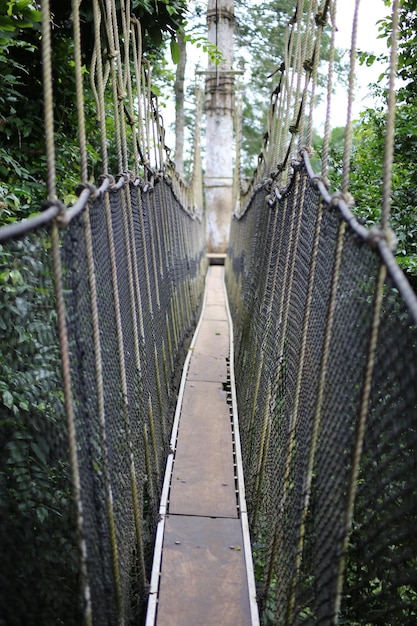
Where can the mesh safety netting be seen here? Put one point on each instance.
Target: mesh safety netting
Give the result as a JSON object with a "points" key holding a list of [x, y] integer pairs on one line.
{"points": [[133, 265], [326, 363]]}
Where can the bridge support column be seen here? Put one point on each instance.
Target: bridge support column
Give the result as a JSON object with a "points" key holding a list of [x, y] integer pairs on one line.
{"points": [[219, 126]]}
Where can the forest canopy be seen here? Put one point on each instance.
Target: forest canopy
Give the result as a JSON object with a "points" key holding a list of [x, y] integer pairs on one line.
{"points": [[260, 31]]}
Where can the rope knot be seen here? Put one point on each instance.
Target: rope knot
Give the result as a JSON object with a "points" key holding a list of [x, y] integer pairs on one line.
{"points": [[346, 197], [94, 193], [308, 65], [320, 179], [111, 179], [321, 19], [377, 234], [149, 185], [61, 216]]}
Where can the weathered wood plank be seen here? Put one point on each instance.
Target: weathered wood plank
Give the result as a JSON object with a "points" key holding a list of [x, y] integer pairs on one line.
{"points": [[204, 581], [203, 481], [207, 368], [215, 312], [213, 338]]}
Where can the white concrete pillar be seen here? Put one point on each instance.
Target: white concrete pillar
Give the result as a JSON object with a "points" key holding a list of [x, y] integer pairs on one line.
{"points": [[219, 126]]}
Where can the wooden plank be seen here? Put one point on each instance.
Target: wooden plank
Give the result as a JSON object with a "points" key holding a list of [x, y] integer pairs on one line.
{"points": [[207, 368], [213, 338], [215, 312], [203, 579], [203, 477]]}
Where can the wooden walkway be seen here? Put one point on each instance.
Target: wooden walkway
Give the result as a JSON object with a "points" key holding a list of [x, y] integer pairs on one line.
{"points": [[202, 573]]}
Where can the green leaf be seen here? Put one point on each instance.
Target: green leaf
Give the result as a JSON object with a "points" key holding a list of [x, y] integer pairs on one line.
{"points": [[41, 513], [175, 51], [7, 399]]}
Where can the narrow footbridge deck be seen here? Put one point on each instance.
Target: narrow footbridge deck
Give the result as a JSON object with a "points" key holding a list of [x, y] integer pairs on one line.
{"points": [[203, 572]]}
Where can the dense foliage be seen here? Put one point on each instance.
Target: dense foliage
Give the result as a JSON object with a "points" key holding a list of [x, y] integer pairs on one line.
{"points": [[39, 573], [367, 168], [22, 149]]}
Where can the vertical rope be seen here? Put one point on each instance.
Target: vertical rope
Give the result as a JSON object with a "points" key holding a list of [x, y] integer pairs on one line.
{"points": [[137, 56], [295, 418], [131, 94], [97, 70], [60, 306], [351, 85], [114, 62], [72, 434], [360, 433], [126, 212], [321, 21], [48, 100], [327, 126], [390, 130], [101, 412], [308, 61], [82, 140], [146, 90]]}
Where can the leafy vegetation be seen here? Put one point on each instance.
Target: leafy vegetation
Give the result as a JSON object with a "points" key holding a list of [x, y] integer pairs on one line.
{"points": [[22, 151], [367, 168], [39, 577]]}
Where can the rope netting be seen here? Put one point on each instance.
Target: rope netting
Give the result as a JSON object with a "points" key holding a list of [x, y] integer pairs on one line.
{"points": [[326, 363], [98, 304]]}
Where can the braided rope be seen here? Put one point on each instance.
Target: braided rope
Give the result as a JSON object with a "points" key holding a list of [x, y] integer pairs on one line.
{"points": [[101, 409], [48, 99], [114, 62], [390, 129], [128, 230], [321, 20], [137, 64], [71, 429], [297, 397], [360, 431], [327, 126], [82, 139], [61, 312], [308, 63], [351, 85], [98, 75]]}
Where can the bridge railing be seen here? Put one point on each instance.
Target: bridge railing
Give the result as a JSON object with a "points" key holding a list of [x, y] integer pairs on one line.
{"points": [[326, 362], [97, 303], [128, 273]]}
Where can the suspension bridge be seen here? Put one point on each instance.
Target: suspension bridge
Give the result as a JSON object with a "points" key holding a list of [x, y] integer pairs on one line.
{"points": [[189, 439]]}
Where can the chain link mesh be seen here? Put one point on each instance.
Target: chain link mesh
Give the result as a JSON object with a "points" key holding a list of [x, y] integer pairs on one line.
{"points": [[302, 286], [133, 290]]}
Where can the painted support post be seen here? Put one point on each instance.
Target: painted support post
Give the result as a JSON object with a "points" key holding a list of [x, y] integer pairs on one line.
{"points": [[219, 126]]}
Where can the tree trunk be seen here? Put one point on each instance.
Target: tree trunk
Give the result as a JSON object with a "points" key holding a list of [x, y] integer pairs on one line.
{"points": [[179, 107]]}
